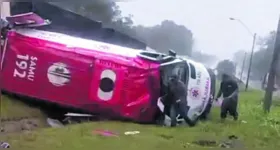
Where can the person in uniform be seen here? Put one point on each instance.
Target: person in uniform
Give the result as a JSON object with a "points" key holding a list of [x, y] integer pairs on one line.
{"points": [[177, 96], [229, 90]]}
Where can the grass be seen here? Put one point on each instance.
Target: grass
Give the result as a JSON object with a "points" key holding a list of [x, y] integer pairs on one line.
{"points": [[12, 108], [260, 131]]}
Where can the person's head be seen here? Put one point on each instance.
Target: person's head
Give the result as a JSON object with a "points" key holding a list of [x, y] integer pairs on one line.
{"points": [[174, 75]]}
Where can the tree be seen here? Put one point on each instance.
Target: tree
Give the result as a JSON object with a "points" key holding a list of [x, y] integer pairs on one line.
{"points": [[207, 59], [262, 57], [105, 11], [242, 61], [226, 66], [272, 71], [167, 35], [238, 57]]}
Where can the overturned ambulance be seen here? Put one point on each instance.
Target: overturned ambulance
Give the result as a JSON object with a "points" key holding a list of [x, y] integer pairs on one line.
{"points": [[97, 77]]}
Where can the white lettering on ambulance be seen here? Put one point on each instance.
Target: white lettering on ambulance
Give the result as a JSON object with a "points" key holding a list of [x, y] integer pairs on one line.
{"points": [[198, 78], [205, 94], [25, 67]]}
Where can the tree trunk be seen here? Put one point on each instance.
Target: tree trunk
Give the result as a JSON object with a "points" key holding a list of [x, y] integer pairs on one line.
{"points": [[272, 72]]}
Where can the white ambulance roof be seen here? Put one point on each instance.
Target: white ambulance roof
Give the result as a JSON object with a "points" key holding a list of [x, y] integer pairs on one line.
{"points": [[78, 42]]}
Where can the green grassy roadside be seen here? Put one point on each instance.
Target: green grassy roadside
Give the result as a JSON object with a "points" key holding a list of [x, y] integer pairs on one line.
{"points": [[259, 131], [13, 108]]}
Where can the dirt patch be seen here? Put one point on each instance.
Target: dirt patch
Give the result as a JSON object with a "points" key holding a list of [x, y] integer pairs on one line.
{"points": [[206, 143], [21, 124], [167, 137], [232, 141]]}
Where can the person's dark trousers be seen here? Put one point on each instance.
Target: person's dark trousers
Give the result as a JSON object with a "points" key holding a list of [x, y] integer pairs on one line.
{"points": [[173, 115], [229, 105], [180, 107]]}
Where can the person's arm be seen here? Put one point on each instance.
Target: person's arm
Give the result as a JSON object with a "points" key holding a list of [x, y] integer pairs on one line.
{"points": [[167, 97], [220, 91]]}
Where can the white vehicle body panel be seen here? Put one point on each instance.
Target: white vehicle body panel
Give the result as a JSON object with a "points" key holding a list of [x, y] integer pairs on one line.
{"points": [[198, 89], [72, 41], [198, 92]]}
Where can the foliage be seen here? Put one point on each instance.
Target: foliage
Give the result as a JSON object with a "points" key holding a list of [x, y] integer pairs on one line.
{"points": [[262, 58], [238, 57], [167, 35], [99, 10], [207, 59], [226, 66]]}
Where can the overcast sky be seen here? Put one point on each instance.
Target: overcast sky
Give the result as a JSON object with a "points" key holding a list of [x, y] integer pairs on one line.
{"points": [[209, 20]]}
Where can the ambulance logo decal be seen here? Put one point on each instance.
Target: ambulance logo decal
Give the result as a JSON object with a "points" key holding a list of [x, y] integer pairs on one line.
{"points": [[194, 93], [59, 74]]}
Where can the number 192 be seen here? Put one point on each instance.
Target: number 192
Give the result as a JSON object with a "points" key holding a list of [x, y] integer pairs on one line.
{"points": [[22, 65]]}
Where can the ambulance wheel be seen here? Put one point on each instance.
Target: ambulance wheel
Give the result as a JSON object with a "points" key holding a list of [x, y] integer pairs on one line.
{"points": [[206, 112]]}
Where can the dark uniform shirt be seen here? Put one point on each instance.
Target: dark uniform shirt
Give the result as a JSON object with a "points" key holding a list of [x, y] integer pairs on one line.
{"points": [[178, 89], [228, 87]]}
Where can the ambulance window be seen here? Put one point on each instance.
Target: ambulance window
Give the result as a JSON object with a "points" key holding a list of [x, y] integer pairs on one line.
{"points": [[187, 73], [166, 73], [193, 73], [180, 72], [168, 70]]}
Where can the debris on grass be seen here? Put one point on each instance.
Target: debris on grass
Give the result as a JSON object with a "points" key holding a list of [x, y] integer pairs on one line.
{"points": [[72, 118], [54, 123], [4, 145], [131, 132], [105, 133], [243, 121], [78, 115], [186, 145]]}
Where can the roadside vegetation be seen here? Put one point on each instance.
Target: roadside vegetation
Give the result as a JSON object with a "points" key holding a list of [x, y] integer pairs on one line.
{"points": [[13, 108], [254, 130]]}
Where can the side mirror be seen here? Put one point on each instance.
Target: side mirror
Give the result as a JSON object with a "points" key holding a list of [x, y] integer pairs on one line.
{"points": [[172, 53]]}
